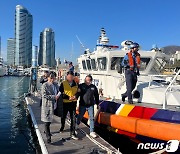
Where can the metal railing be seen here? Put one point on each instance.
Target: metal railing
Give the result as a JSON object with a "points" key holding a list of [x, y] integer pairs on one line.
{"points": [[151, 78], [168, 87]]}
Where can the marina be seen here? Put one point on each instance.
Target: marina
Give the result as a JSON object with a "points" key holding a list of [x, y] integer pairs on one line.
{"points": [[139, 122], [89, 77]]}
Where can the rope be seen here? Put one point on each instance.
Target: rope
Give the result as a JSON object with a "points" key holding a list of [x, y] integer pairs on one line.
{"points": [[20, 98], [159, 152], [96, 142], [13, 85]]}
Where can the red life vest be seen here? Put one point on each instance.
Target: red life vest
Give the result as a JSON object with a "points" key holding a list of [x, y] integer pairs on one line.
{"points": [[131, 61]]}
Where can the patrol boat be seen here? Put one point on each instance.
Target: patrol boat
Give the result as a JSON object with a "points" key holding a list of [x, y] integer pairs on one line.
{"points": [[155, 114]]}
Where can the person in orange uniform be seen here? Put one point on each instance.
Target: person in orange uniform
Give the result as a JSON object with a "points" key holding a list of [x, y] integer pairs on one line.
{"points": [[69, 88], [131, 63]]}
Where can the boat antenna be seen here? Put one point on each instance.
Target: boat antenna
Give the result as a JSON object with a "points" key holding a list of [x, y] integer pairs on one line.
{"points": [[80, 42]]}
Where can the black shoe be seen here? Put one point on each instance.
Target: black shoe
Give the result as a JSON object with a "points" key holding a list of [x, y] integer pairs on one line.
{"points": [[50, 133], [130, 102], [123, 98], [49, 140], [61, 130]]}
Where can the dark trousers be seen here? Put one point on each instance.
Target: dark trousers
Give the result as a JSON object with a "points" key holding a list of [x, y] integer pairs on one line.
{"points": [[47, 129], [131, 80], [71, 108]]}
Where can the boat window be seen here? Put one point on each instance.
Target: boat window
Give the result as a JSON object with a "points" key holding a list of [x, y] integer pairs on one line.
{"points": [[93, 63], [144, 63], [115, 62], [102, 63], [88, 64], [159, 65], [84, 64]]}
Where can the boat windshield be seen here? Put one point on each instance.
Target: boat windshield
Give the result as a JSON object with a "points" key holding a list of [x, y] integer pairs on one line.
{"points": [[88, 64], [84, 65], [144, 63], [158, 66], [102, 62], [116, 61]]}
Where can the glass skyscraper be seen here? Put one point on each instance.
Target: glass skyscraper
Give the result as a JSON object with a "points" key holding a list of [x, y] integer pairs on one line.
{"points": [[11, 51], [46, 54], [23, 36]]}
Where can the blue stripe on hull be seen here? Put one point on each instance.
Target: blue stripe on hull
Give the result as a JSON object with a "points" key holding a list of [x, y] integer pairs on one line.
{"points": [[167, 116]]}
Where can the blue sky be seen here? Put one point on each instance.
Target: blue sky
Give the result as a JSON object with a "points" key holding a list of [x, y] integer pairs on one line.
{"points": [[144, 21]]}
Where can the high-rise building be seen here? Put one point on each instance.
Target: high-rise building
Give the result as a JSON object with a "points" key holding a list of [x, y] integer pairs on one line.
{"points": [[46, 54], [11, 51], [34, 55], [23, 36]]}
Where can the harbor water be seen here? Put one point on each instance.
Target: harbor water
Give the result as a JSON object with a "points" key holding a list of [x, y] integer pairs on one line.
{"points": [[16, 135]]}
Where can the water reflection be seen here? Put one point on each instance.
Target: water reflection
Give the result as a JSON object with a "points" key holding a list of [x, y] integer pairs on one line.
{"points": [[15, 135]]}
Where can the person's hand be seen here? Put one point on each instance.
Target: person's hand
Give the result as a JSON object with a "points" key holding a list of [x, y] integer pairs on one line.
{"points": [[72, 98], [56, 97]]}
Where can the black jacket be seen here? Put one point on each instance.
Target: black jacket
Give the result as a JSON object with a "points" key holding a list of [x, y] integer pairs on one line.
{"points": [[59, 110], [88, 95], [43, 79]]}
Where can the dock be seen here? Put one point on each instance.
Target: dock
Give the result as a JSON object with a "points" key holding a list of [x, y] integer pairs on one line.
{"points": [[61, 142]]}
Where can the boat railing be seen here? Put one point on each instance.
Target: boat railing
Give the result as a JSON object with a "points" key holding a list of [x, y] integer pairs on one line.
{"points": [[158, 75], [170, 85]]}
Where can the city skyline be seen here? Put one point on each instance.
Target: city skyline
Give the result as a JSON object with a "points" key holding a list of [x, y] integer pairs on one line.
{"points": [[152, 22]]}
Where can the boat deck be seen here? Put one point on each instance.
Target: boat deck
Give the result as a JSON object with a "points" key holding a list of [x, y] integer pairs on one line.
{"points": [[61, 142]]}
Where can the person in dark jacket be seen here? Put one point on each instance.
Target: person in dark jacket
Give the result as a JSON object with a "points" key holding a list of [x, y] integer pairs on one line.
{"points": [[44, 78], [71, 67], [69, 88], [88, 97]]}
